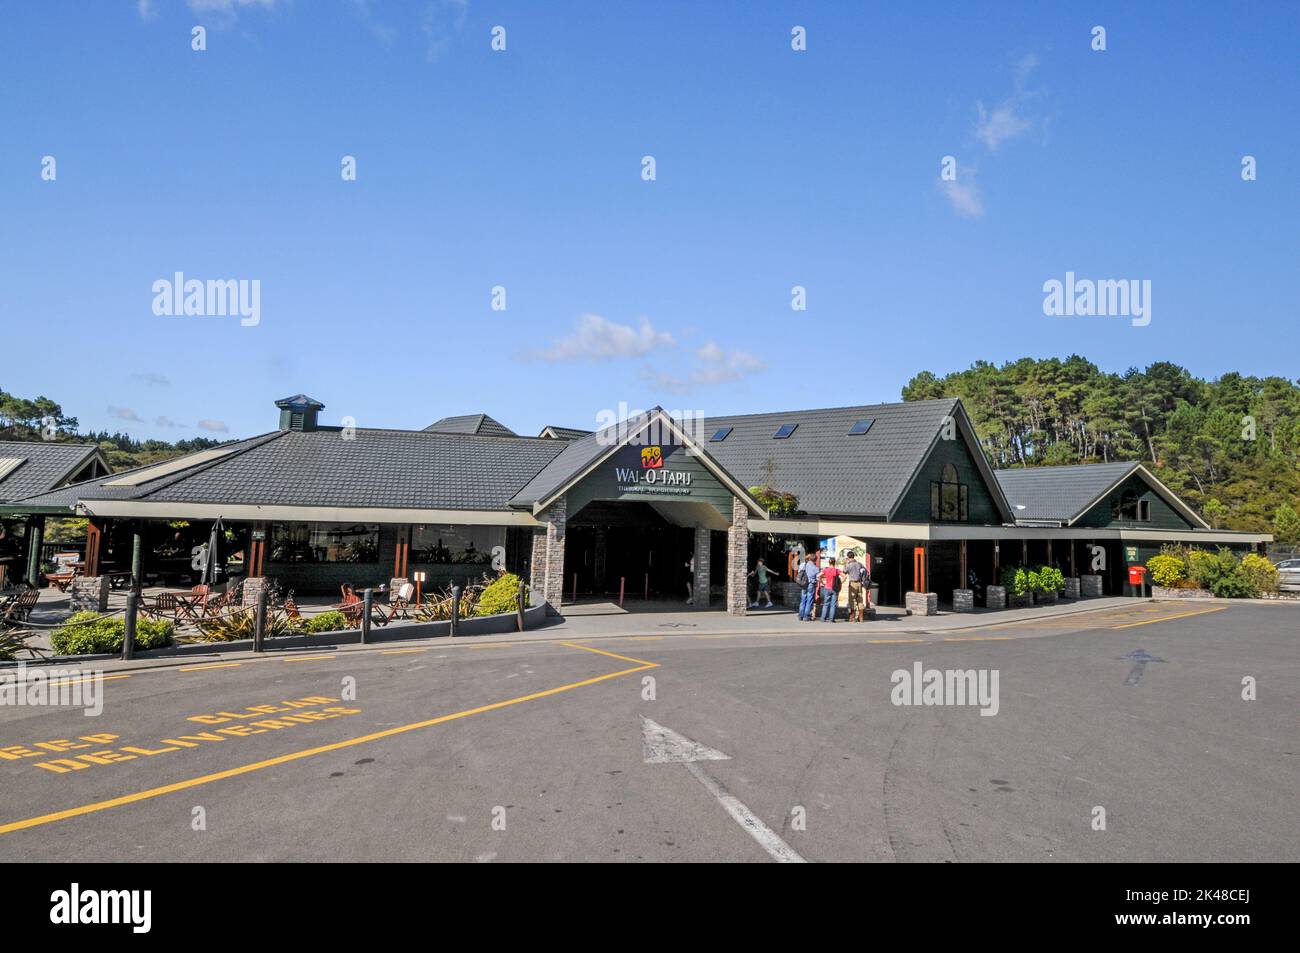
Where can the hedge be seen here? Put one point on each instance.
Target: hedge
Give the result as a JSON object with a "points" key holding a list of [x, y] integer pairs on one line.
{"points": [[89, 633]]}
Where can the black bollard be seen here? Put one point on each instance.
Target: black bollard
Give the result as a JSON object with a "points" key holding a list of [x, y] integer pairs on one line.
{"points": [[455, 609], [259, 623], [367, 599], [128, 638]]}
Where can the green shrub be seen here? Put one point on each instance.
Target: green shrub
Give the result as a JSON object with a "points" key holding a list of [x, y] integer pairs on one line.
{"points": [[501, 596], [1046, 579], [1260, 573], [331, 621], [89, 633], [1166, 569], [1016, 581]]}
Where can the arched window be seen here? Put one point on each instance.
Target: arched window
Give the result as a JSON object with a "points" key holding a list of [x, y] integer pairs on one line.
{"points": [[948, 496]]}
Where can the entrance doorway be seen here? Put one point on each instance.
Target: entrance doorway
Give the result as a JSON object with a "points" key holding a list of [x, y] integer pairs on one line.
{"points": [[607, 544]]}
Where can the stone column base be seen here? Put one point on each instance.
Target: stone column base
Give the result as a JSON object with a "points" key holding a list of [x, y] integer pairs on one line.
{"points": [[963, 600], [251, 588], [1071, 590], [89, 593], [922, 603], [995, 597], [1090, 586]]}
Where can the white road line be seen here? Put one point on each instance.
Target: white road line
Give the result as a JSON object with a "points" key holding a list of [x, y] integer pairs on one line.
{"points": [[662, 745], [767, 838]]}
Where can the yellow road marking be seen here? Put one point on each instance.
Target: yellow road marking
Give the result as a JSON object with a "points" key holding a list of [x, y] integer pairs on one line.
{"points": [[1181, 615], [204, 668], [891, 641], [80, 681], [321, 749], [621, 658], [309, 658], [494, 645], [401, 651]]}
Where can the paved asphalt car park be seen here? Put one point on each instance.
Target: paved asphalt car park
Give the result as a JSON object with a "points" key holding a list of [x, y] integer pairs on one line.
{"points": [[688, 746]]}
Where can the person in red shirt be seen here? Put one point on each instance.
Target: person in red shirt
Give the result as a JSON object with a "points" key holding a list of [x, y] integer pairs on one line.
{"points": [[830, 598]]}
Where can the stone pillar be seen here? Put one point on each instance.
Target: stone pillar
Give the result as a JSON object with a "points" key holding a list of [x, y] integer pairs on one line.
{"points": [[1090, 585], [700, 584], [547, 563], [995, 597], [737, 557], [963, 600], [922, 603], [249, 591], [89, 592], [1071, 590]]}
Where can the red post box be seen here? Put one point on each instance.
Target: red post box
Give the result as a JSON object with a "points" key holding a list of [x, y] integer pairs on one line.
{"points": [[1136, 575]]}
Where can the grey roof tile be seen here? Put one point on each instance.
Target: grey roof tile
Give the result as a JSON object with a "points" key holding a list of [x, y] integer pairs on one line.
{"points": [[831, 473], [471, 423], [44, 465], [1059, 493]]}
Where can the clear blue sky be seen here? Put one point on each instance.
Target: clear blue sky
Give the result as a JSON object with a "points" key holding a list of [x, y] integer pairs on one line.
{"points": [[522, 168]]}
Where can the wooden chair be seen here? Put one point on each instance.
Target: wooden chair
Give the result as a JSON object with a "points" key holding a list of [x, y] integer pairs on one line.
{"points": [[19, 607], [399, 602]]}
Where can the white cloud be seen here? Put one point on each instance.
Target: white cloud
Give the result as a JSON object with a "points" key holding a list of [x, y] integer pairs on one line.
{"points": [[124, 413], [1009, 118], [443, 22], [598, 339], [966, 197], [150, 377], [226, 7], [145, 9], [214, 426], [716, 366], [166, 423]]}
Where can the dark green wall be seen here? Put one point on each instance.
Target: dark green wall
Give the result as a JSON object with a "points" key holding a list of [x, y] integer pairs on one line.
{"points": [[1163, 516], [980, 508], [602, 483]]}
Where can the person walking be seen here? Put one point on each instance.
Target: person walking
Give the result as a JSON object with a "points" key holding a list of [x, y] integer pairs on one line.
{"points": [[761, 575], [857, 575], [807, 577], [830, 577]]}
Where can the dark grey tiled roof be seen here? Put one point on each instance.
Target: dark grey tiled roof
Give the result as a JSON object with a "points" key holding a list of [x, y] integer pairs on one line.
{"points": [[565, 433], [471, 423], [1059, 493], [831, 473], [380, 468], [44, 465]]}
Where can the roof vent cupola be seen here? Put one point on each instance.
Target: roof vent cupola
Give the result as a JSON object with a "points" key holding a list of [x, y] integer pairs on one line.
{"points": [[299, 413]]}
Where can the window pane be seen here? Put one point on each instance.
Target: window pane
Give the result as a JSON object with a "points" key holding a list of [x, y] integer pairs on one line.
{"points": [[456, 545], [934, 501], [325, 543]]}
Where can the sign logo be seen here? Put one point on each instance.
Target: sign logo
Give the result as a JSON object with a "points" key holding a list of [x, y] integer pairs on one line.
{"points": [[652, 458]]}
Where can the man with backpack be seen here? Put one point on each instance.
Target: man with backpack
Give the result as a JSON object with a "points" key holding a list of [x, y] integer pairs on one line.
{"points": [[807, 578], [858, 581]]}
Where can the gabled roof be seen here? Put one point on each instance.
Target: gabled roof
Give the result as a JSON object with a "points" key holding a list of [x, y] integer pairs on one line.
{"points": [[579, 457], [30, 467], [411, 469], [471, 423], [563, 433], [1065, 494], [835, 474]]}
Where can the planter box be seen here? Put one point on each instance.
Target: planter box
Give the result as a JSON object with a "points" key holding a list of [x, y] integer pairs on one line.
{"points": [[1020, 602], [1090, 586], [1045, 598], [88, 593], [963, 600], [922, 603], [995, 597], [1071, 590]]}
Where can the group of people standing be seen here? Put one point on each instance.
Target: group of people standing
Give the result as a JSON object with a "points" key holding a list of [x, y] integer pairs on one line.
{"points": [[826, 580]]}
